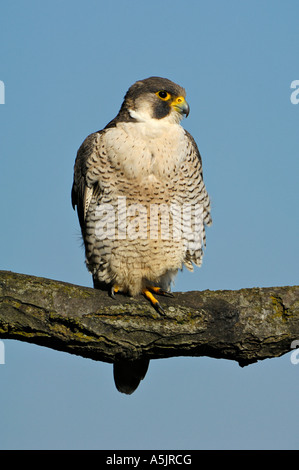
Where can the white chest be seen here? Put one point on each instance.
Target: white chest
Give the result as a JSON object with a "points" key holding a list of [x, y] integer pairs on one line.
{"points": [[146, 151]]}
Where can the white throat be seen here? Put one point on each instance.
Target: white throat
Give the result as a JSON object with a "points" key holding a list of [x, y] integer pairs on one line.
{"points": [[143, 115]]}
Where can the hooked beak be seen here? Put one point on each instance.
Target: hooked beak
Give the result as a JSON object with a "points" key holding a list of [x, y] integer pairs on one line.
{"points": [[181, 105]]}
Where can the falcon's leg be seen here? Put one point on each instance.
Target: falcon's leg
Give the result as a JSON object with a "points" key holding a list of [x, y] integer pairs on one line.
{"points": [[155, 303], [147, 293]]}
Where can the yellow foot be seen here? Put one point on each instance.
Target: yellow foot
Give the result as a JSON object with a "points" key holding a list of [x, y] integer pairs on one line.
{"points": [[155, 303], [160, 291]]}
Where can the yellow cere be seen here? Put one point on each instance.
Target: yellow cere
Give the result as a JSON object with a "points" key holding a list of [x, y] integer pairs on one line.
{"points": [[179, 100]]}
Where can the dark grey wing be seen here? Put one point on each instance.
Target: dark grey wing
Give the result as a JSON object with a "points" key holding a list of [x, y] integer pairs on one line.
{"points": [[193, 191], [204, 197], [82, 191]]}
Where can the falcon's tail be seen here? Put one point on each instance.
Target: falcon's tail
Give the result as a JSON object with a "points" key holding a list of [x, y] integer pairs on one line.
{"points": [[129, 373]]}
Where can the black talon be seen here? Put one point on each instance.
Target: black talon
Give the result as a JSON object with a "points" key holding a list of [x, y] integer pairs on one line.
{"points": [[159, 308], [160, 291], [113, 291], [166, 293]]}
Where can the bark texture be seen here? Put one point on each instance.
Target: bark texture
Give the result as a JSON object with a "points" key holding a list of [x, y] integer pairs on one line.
{"points": [[246, 325]]}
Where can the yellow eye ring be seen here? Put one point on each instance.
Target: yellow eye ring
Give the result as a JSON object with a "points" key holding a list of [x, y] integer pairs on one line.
{"points": [[163, 95]]}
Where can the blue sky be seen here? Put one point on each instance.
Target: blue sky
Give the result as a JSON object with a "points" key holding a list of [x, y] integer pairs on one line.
{"points": [[66, 66]]}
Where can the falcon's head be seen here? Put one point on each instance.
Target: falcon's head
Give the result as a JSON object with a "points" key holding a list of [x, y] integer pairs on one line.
{"points": [[154, 98]]}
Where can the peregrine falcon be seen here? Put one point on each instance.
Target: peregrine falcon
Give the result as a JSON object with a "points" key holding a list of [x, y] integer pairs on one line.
{"points": [[141, 201]]}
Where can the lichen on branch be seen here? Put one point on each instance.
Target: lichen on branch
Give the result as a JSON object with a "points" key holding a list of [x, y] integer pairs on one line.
{"points": [[244, 325]]}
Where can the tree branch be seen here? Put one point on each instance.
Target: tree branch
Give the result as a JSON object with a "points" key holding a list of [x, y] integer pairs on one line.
{"points": [[245, 325]]}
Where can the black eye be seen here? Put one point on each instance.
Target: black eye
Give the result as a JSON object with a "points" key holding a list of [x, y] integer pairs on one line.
{"points": [[164, 95]]}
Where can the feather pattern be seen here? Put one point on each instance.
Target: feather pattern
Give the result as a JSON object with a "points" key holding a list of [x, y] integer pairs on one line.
{"points": [[140, 196]]}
